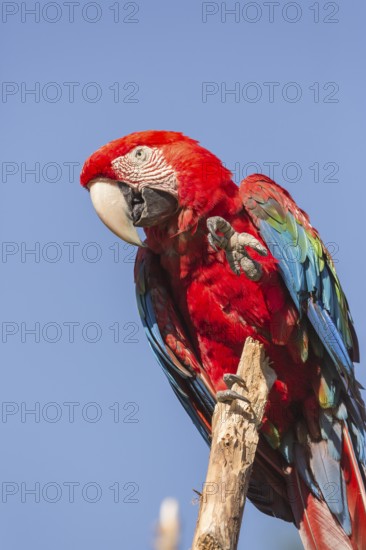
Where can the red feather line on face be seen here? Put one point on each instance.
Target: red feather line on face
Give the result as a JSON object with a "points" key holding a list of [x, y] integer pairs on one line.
{"points": [[100, 162]]}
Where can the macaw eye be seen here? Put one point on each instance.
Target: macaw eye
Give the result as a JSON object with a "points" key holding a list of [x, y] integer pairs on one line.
{"points": [[141, 154]]}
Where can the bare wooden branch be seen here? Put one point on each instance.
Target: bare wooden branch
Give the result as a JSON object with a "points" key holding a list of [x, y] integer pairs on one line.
{"points": [[168, 527], [234, 443]]}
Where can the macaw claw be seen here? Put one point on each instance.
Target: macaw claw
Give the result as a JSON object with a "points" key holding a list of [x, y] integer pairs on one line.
{"points": [[234, 243], [231, 379], [228, 396]]}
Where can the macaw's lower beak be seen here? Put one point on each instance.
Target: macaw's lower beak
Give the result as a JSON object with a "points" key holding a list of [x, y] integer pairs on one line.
{"points": [[122, 209], [149, 206]]}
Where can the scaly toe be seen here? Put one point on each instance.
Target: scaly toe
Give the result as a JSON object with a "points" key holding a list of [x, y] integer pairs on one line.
{"points": [[228, 396], [231, 379]]}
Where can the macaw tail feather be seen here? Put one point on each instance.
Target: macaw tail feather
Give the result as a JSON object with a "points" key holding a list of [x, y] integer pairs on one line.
{"points": [[318, 527], [356, 493]]}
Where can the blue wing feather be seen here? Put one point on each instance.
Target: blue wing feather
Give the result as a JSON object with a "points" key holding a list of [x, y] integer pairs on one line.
{"points": [[188, 387], [329, 477], [314, 288]]}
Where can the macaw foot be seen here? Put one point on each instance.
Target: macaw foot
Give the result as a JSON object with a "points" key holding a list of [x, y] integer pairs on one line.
{"points": [[234, 244], [231, 379], [229, 395]]}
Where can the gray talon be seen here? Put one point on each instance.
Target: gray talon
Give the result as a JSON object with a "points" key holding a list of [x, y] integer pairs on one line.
{"points": [[228, 396], [231, 379], [212, 242], [234, 244]]}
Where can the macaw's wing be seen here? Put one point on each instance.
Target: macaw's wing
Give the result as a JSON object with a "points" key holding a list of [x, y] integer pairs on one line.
{"points": [[308, 272], [171, 345], [306, 266]]}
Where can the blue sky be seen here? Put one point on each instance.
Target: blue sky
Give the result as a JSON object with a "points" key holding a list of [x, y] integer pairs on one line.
{"points": [[108, 440]]}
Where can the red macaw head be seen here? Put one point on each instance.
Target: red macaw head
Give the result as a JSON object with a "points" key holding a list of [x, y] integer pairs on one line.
{"points": [[147, 178]]}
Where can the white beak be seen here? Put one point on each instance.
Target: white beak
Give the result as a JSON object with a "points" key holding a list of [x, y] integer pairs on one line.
{"points": [[112, 208]]}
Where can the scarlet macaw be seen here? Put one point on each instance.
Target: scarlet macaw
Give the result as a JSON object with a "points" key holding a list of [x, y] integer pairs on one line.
{"points": [[221, 263]]}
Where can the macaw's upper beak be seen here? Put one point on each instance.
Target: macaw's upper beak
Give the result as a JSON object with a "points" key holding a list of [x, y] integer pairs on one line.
{"points": [[122, 208]]}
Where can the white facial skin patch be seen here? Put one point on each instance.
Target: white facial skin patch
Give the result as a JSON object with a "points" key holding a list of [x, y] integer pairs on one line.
{"points": [[146, 167]]}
